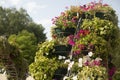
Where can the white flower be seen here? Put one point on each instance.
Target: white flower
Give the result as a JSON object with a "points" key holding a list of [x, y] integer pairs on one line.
{"points": [[59, 57], [90, 54], [65, 77], [80, 62], [75, 77], [67, 61], [63, 57], [70, 65], [86, 58], [98, 59]]}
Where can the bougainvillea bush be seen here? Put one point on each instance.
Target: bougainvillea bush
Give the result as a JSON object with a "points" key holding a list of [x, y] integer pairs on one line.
{"points": [[93, 43]]}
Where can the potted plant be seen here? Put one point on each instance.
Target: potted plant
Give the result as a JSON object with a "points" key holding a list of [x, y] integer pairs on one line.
{"points": [[45, 49], [58, 32], [92, 73], [61, 71], [85, 41], [43, 68], [102, 28]]}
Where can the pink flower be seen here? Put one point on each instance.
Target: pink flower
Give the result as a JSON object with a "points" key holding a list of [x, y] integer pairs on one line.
{"points": [[77, 52], [77, 36], [71, 36], [112, 71], [62, 13], [74, 19], [97, 63], [86, 63], [85, 7], [71, 42], [52, 19], [105, 4], [81, 46], [66, 7], [83, 32], [56, 17]]}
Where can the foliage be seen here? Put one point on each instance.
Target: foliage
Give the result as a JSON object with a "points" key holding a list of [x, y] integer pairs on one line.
{"points": [[43, 68], [38, 31], [92, 73], [70, 17], [44, 49], [116, 76], [65, 21], [103, 28], [12, 53], [26, 42], [44, 59], [93, 43], [22, 69], [116, 55], [13, 21], [87, 41]]}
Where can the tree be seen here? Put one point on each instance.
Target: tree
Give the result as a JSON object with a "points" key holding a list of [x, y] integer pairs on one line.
{"points": [[27, 44], [13, 21], [38, 30], [11, 61]]}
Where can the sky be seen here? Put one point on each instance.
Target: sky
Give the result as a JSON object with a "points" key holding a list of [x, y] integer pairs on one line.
{"points": [[42, 11]]}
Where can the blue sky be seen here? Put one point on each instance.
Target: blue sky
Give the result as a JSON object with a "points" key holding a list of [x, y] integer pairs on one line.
{"points": [[42, 11]]}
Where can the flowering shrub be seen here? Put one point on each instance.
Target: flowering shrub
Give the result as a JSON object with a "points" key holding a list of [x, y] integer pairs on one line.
{"points": [[41, 69], [69, 18], [66, 20], [103, 28], [92, 43], [92, 73], [87, 41]]}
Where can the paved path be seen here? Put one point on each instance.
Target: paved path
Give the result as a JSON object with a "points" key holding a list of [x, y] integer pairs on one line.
{"points": [[3, 77]]}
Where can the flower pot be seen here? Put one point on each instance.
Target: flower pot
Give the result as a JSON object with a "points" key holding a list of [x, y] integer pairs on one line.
{"points": [[84, 52], [62, 50], [87, 16], [100, 15], [60, 73], [64, 33]]}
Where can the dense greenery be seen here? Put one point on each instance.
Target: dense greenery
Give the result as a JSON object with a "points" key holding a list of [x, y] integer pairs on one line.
{"points": [[94, 44], [27, 44], [10, 58], [23, 35], [13, 21]]}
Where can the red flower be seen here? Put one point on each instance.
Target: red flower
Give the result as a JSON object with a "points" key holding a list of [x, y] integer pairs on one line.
{"points": [[71, 41], [77, 52], [86, 63], [97, 63], [83, 32], [112, 71], [81, 46], [105, 4], [62, 13]]}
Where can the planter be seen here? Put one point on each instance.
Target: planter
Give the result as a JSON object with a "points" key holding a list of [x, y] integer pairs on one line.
{"points": [[62, 50], [84, 52], [90, 16], [60, 73], [100, 15], [87, 16], [64, 33]]}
